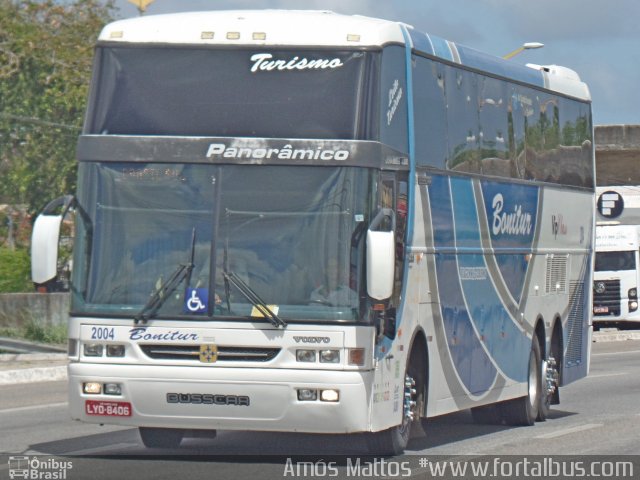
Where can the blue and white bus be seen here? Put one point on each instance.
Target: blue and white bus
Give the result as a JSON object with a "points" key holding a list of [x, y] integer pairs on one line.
{"points": [[309, 222]]}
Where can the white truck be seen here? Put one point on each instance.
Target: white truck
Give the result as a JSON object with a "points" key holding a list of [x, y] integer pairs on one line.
{"points": [[616, 274]]}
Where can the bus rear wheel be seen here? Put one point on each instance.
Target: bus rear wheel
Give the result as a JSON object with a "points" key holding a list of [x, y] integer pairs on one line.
{"points": [[524, 410], [161, 437]]}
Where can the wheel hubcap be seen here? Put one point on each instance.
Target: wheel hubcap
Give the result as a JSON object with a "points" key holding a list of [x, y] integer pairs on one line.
{"points": [[550, 375], [409, 406], [533, 379]]}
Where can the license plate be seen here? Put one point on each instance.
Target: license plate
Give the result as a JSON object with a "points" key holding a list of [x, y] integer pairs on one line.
{"points": [[107, 409], [600, 309]]}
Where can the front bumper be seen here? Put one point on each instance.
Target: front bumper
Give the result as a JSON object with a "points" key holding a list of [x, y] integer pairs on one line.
{"points": [[272, 393]]}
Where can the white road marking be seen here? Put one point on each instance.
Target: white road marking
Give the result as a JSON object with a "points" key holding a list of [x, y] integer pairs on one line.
{"points": [[606, 375], [570, 430], [614, 353]]}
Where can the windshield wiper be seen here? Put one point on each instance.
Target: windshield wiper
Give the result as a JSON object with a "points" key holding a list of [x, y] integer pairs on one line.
{"points": [[253, 297], [165, 289]]}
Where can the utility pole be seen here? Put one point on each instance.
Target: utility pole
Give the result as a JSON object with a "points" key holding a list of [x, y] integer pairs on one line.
{"points": [[141, 4]]}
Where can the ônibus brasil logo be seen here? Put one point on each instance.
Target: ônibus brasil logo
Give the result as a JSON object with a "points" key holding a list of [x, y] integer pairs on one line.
{"points": [[38, 468]]}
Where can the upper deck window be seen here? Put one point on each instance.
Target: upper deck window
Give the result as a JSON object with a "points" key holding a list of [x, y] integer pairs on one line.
{"points": [[253, 92]]}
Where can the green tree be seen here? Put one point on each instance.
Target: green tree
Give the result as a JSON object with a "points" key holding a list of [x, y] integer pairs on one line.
{"points": [[46, 52]]}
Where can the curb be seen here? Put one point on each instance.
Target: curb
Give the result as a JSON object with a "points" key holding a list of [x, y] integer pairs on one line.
{"points": [[33, 375]]}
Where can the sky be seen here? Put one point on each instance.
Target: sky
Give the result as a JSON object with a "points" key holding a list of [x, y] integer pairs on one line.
{"points": [[599, 39]]}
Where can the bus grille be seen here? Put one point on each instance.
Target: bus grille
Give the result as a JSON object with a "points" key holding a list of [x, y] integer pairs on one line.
{"points": [[576, 324], [606, 302], [225, 354]]}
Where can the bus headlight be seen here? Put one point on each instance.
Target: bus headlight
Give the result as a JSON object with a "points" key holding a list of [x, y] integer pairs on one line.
{"points": [[93, 349], [633, 305], [329, 356], [633, 293], [308, 356], [115, 350]]}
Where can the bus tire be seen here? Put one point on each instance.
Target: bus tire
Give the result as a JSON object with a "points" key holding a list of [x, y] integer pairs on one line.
{"points": [[394, 440], [524, 410], [551, 378], [545, 406], [161, 437]]}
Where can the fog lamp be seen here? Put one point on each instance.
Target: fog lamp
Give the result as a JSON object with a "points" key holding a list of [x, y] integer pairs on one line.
{"points": [[92, 388], [329, 395], [112, 389], [307, 394]]}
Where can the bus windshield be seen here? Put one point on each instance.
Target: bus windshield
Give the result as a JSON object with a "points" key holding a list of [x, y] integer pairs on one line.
{"points": [[615, 261], [240, 92], [294, 236]]}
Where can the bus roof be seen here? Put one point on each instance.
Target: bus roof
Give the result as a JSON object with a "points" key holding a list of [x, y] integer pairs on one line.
{"points": [[325, 29]]}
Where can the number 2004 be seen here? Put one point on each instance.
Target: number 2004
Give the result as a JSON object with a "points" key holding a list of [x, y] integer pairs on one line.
{"points": [[102, 333]]}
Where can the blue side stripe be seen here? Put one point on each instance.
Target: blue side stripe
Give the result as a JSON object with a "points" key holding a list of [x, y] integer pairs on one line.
{"points": [[441, 48], [421, 41]]}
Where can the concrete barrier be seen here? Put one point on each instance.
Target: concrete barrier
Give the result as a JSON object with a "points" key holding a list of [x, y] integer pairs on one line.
{"points": [[18, 309]]}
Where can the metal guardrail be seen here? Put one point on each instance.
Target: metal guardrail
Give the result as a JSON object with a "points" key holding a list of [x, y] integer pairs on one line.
{"points": [[13, 345]]}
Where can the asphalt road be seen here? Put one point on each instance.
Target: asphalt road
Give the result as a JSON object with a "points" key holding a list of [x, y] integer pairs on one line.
{"points": [[598, 416]]}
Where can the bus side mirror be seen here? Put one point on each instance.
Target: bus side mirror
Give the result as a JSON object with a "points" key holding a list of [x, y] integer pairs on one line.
{"points": [[44, 240], [381, 257], [44, 248]]}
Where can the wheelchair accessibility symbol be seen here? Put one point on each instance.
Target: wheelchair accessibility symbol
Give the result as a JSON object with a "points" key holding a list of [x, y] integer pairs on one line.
{"points": [[196, 300]]}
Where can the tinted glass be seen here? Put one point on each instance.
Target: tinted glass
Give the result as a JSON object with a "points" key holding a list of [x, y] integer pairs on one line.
{"points": [[474, 123], [614, 261], [430, 113], [295, 236], [216, 92]]}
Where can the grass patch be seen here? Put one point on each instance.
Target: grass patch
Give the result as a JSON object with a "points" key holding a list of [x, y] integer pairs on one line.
{"points": [[34, 332]]}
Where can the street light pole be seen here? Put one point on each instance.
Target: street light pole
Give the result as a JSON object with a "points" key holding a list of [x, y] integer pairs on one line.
{"points": [[526, 46]]}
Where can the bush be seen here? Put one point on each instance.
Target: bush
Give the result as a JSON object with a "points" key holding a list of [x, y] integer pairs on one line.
{"points": [[45, 333], [15, 271], [53, 334]]}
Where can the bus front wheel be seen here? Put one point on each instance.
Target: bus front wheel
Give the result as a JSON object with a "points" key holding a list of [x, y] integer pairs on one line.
{"points": [[394, 440]]}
